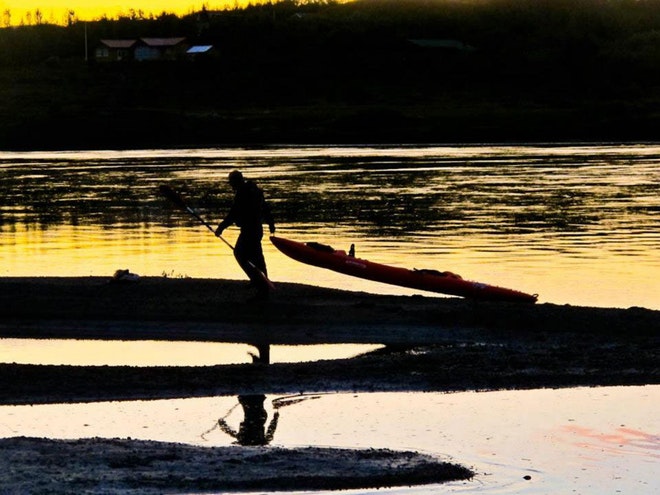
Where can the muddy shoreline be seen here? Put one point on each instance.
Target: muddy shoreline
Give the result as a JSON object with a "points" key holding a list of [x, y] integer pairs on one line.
{"points": [[121, 466], [430, 344]]}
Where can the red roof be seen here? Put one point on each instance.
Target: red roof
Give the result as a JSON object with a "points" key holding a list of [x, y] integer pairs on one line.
{"points": [[162, 41], [119, 43]]}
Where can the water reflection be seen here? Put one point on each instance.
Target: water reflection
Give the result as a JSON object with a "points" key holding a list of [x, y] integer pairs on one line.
{"points": [[263, 354], [255, 429], [162, 353], [526, 217], [621, 441], [583, 440], [402, 190]]}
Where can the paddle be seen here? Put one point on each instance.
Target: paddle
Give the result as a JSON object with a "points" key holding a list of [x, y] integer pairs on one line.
{"points": [[176, 198]]}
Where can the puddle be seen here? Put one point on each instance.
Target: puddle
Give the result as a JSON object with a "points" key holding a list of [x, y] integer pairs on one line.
{"points": [[162, 353], [582, 440]]}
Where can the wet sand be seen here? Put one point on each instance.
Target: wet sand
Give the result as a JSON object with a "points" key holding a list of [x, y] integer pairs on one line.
{"points": [[131, 466], [431, 344]]}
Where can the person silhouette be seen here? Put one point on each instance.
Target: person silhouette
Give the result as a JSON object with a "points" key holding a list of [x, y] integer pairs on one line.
{"points": [[249, 212], [263, 354]]}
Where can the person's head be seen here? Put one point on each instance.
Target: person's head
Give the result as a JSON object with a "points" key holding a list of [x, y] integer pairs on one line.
{"points": [[235, 179]]}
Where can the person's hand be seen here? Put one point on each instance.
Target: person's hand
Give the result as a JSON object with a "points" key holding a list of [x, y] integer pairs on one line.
{"points": [[272, 228], [218, 231]]}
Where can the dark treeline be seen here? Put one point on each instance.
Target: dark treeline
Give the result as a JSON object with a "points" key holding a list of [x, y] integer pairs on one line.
{"points": [[343, 72]]}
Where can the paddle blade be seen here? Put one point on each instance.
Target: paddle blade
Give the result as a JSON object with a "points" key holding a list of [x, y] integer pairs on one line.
{"points": [[266, 280], [171, 195]]}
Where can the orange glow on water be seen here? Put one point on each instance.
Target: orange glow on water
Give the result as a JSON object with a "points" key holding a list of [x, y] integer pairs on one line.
{"points": [[620, 440]]}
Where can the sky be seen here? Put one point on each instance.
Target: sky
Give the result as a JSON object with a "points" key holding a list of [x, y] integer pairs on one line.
{"points": [[55, 11]]}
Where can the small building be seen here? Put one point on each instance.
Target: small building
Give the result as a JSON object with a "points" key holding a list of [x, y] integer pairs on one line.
{"points": [[160, 48], [115, 50], [200, 52]]}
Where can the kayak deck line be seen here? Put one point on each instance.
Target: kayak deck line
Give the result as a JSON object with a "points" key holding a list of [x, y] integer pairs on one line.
{"points": [[324, 256]]}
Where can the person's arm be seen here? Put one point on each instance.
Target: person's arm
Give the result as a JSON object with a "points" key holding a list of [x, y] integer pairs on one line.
{"points": [[223, 225], [229, 219], [268, 216]]}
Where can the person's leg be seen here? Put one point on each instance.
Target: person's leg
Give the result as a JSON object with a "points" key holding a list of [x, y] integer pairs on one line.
{"points": [[257, 257], [242, 255], [248, 250]]}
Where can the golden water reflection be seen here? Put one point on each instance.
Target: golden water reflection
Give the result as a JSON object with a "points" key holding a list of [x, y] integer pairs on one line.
{"points": [[610, 277], [162, 353], [577, 224]]}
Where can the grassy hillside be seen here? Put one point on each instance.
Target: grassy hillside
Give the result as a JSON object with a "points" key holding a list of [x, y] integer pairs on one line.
{"points": [[324, 72]]}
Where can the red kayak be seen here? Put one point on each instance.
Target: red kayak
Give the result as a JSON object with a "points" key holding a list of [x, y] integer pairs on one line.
{"points": [[313, 253]]}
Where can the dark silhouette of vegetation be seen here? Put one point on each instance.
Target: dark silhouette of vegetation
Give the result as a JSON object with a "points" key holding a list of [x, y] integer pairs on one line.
{"points": [[343, 72]]}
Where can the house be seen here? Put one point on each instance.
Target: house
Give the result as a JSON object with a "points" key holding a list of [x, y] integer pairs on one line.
{"points": [[160, 48], [114, 50], [141, 49]]}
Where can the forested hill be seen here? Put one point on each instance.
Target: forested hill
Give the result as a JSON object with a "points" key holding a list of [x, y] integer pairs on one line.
{"points": [[388, 71]]}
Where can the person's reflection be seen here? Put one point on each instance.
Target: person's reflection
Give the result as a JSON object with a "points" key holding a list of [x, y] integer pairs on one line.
{"points": [[263, 357], [253, 429]]}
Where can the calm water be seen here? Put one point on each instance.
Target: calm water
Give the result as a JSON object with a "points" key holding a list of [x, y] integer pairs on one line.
{"points": [[576, 224], [584, 440], [162, 353]]}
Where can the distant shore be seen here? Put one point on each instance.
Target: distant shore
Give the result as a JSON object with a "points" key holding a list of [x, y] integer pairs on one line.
{"points": [[339, 73]]}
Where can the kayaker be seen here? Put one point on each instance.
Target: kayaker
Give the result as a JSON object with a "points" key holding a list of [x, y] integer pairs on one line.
{"points": [[249, 212]]}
